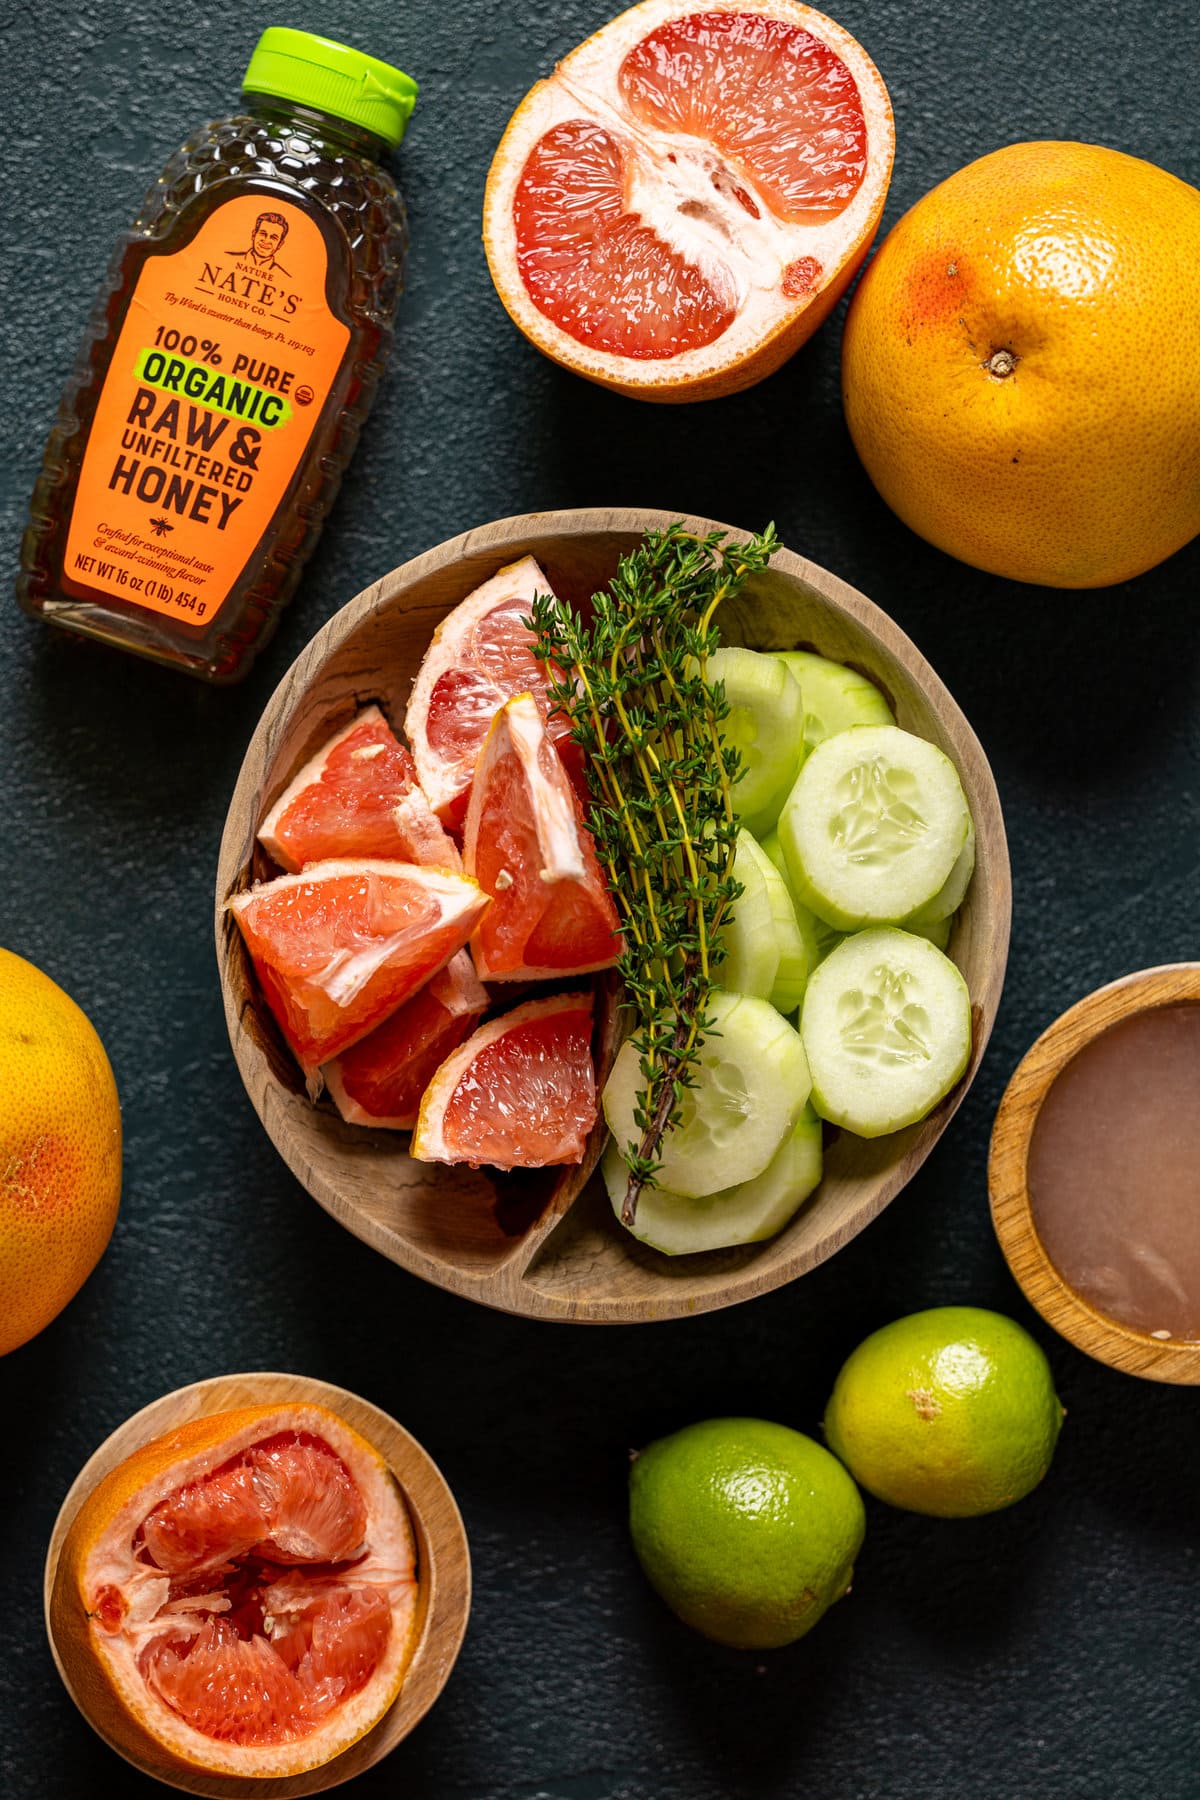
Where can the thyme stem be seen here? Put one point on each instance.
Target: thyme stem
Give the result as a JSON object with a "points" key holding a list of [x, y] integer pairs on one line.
{"points": [[632, 680]]}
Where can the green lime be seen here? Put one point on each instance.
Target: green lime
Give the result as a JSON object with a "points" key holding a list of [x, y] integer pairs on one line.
{"points": [[747, 1530], [951, 1412]]}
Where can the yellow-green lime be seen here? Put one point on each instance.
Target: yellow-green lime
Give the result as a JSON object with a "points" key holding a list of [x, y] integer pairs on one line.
{"points": [[951, 1412], [748, 1530]]}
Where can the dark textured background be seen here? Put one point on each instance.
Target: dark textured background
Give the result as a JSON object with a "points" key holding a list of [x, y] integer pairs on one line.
{"points": [[1049, 1651]]}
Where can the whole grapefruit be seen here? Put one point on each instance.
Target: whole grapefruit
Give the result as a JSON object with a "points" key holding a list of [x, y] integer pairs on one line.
{"points": [[60, 1150], [1019, 365]]}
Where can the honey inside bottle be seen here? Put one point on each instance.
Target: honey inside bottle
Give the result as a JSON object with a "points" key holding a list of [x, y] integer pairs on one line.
{"points": [[230, 362]]}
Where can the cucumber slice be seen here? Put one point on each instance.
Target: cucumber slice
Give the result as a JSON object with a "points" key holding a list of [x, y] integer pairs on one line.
{"points": [[796, 954], [737, 1215], [949, 897], [751, 961], [819, 937], [773, 849], [887, 1028], [835, 697], [873, 826], [751, 1086], [937, 932], [766, 723]]}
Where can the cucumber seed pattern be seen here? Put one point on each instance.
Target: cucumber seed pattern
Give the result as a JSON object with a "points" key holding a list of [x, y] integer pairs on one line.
{"points": [[882, 1024], [727, 1105], [878, 821]]}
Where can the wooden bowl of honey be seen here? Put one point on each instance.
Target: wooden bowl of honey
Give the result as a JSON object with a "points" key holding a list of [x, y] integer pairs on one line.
{"points": [[1093, 1174], [546, 1244]]}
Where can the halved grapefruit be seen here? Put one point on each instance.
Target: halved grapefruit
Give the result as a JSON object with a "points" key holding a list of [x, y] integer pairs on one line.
{"points": [[527, 846], [380, 1080], [480, 656], [240, 1596], [519, 1094], [358, 796], [344, 943], [679, 206]]}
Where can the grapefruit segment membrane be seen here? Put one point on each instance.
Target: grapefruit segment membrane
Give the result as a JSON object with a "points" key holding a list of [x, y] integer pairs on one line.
{"points": [[519, 1094], [527, 845], [358, 796], [773, 99], [380, 1080], [342, 944], [679, 205], [480, 656], [240, 1596], [592, 267]]}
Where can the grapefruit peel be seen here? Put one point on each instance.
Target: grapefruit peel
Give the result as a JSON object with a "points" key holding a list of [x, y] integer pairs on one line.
{"points": [[357, 796], [393, 1064], [480, 655], [398, 924], [110, 1606], [526, 844], [777, 278], [549, 1111]]}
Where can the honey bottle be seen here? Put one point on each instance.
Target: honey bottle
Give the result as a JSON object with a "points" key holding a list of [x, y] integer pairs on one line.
{"points": [[230, 361]]}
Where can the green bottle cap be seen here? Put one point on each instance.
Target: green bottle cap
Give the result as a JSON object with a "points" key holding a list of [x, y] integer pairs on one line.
{"points": [[296, 65]]}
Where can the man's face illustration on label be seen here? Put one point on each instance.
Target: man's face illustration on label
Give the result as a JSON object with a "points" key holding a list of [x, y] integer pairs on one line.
{"points": [[268, 235]]}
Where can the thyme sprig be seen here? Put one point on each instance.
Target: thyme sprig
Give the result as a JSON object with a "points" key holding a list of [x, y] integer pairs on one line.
{"points": [[634, 685]]}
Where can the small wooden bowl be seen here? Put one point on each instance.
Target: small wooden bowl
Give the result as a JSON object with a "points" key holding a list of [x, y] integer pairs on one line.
{"points": [[443, 1564], [551, 1248], [1120, 1346]]}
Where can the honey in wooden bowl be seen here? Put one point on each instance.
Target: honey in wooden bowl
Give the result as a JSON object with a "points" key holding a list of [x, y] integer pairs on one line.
{"points": [[1095, 1174], [1114, 1172]]}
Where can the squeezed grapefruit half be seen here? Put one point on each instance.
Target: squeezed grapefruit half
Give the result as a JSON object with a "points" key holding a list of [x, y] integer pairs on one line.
{"points": [[341, 945], [240, 1595], [358, 796], [480, 656], [677, 208], [519, 1094], [527, 846]]}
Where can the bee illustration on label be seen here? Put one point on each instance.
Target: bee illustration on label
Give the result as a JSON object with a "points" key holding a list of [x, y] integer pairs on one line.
{"points": [[160, 527]]}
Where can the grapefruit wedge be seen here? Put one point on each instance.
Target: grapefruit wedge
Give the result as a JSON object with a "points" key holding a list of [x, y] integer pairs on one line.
{"points": [[527, 846], [480, 656], [380, 1080], [240, 1596], [344, 943], [519, 1094], [358, 796], [678, 207]]}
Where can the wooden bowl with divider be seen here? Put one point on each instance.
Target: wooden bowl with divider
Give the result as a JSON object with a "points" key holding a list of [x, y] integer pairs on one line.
{"points": [[546, 1244]]}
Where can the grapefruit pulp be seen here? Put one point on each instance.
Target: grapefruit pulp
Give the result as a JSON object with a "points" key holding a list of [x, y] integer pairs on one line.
{"points": [[358, 796], [519, 1094], [240, 1595], [480, 656], [526, 844], [679, 206], [344, 943], [380, 1080]]}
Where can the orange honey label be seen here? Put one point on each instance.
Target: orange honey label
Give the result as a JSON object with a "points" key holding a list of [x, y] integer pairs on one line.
{"points": [[225, 361]]}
